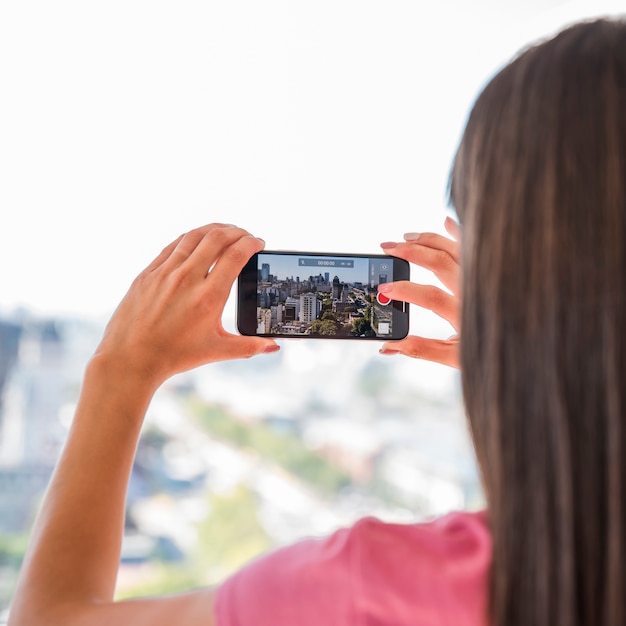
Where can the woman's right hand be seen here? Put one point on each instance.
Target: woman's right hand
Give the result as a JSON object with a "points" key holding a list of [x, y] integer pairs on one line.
{"points": [[170, 320], [440, 255]]}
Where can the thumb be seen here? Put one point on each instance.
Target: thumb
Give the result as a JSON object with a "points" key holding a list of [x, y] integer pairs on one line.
{"points": [[244, 347]]}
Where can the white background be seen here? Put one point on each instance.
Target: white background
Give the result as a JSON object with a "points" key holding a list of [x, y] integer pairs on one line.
{"points": [[323, 125]]}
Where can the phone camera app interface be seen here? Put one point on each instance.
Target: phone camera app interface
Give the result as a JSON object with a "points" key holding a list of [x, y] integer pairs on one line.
{"points": [[323, 296]]}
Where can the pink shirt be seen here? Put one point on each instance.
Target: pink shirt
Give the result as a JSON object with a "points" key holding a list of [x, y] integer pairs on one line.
{"points": [[373, 574]]}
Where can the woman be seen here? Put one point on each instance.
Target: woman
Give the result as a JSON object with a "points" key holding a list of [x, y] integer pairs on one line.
{"points": [[539, 185]]}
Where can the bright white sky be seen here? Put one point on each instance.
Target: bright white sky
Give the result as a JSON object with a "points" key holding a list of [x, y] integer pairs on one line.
{"points": [[323, 125]]}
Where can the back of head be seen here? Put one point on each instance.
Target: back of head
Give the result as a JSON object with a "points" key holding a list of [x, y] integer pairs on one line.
{"points": [[539, 183]]}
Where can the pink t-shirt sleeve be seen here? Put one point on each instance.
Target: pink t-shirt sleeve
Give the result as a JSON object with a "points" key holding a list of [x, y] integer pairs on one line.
{"points": [[372, 574]]}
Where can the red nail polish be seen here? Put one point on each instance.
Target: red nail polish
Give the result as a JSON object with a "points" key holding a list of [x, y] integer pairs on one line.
{"points": [[389, 351]]}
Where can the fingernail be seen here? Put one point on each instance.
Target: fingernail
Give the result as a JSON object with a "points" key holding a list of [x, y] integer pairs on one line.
{"points": [[389, 351], [411, 236], [388, 244], [384, 287], [273, 347]]}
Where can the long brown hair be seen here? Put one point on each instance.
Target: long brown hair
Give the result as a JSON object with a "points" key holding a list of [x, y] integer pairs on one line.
{"points": [[539, 183]]}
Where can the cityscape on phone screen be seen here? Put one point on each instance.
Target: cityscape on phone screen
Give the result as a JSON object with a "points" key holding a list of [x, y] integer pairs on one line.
{"points": [[325, 296]]}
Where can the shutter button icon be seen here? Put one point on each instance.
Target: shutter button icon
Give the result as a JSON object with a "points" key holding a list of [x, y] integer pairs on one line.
{"points": [[383, 299]]}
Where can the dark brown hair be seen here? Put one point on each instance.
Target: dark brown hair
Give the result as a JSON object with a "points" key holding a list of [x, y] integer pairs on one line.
{"points": [[539, 184]]}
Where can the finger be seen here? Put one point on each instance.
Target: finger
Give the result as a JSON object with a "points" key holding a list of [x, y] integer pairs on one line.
{"points": [[441, 351], [439, 261], [190, 241], [212, 244], [453, 227], [229, 265], [426, 296], [163, 255], [436, 242], [244, 347]]}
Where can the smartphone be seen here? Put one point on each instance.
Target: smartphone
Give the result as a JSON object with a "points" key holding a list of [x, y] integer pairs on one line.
{"points": [[322, 296]]}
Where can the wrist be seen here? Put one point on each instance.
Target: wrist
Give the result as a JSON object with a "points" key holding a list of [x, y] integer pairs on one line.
{"points": [[121, 376]]}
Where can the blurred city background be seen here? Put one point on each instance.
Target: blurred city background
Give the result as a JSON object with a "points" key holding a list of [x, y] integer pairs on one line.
{"points": [[326, 126], [239, 457]]}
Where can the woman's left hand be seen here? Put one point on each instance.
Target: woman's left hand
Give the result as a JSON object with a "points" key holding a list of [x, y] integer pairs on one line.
{"points": [[440, 255], [171, 318]]}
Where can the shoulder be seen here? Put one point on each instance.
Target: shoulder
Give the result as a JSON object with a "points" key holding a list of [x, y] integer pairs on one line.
{"points": [[432, 573], [436, 545], [416, 568]]}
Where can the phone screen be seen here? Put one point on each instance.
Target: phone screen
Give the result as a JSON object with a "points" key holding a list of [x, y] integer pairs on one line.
{"points": [[297, 294]]}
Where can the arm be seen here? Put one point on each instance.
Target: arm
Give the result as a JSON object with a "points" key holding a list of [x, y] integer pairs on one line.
{"points": [[169, 322], [440, 255]]}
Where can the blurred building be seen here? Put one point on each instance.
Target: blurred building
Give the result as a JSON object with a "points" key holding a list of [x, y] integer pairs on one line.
{"points": [[10, 334], [38, 381]]}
